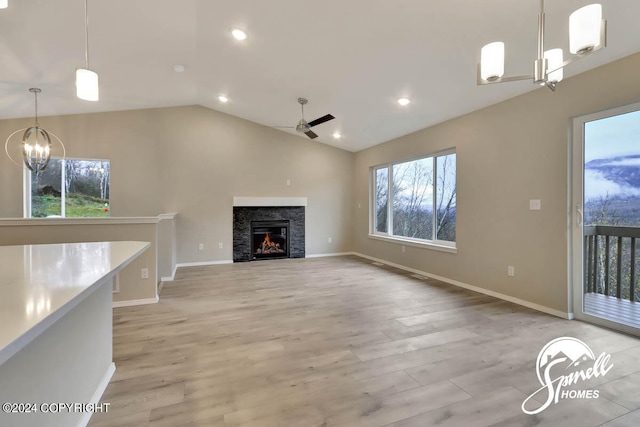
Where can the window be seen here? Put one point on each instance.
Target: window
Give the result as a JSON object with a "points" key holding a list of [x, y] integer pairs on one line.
{"points": [[71, 188], [416, 200]]}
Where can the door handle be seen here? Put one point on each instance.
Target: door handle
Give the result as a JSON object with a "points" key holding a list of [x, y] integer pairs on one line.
{"points": [[579, 216]]}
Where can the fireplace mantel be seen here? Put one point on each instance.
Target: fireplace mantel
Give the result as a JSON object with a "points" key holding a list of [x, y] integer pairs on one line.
{"points": [[269, 201]]}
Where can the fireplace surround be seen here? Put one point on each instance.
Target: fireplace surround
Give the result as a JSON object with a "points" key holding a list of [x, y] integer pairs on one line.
{"points": [[247, 218]]}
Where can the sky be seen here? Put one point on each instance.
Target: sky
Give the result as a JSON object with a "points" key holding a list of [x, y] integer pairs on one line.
{"points": [[612, 137], [606, 139]]}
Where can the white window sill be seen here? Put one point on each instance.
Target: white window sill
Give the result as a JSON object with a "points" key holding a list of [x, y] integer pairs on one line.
{"points": [[414, 243]]}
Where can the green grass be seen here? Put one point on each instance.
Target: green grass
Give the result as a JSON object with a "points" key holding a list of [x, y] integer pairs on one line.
{"points": [[76, 206]]}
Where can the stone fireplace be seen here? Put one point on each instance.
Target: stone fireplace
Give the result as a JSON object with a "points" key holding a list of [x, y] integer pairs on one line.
{"points": [[268, 228]]}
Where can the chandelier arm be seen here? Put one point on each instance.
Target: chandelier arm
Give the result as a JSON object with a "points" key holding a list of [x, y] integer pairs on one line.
{"points": [[501, 79], [64, 151], [21, 165], [6, 147], [505, 80]]}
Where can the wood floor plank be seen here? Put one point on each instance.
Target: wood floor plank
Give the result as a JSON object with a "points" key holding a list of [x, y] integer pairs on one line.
{"points": [[340, 341], [413, 343], [479, 411]]}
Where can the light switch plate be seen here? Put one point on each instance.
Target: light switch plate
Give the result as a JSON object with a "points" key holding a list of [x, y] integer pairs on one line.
{"points": [[535, 204]]}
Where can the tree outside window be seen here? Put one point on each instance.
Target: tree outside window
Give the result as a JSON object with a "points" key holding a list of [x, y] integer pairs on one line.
{"points": [[422, 195], [70, 188]]}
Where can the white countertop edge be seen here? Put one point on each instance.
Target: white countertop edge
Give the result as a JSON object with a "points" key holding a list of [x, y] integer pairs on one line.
{"points": [[12, 222], [269, 201], [23, 340]]}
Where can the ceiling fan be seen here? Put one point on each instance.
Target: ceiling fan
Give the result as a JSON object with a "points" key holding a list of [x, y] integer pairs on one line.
{"points": [[305, 127]]}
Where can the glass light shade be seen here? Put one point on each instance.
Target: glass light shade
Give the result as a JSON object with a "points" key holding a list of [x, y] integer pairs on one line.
{"points": [[492, 61], [4, 4], [584, 28], [87, 85], [554, 62]]}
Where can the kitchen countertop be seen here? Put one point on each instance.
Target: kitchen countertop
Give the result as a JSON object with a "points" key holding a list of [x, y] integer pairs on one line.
{"points": [[41, 283]]}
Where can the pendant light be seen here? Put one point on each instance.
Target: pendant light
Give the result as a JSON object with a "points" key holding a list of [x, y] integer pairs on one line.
{"points": [[36, 143], [87, 80], [587, 34]]}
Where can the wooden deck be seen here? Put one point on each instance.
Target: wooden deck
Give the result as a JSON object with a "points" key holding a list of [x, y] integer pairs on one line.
{"points": [[612, 308]]}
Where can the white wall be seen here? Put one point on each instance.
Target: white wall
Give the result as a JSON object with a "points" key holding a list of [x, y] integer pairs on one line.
{"points": [[507, 154], [193, 161]]}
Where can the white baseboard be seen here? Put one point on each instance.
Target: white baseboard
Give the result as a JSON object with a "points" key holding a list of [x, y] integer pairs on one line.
{"points": [[203, 263], [538, 307], [117, 304], [330, 254], [97, 395], [172, 277]]}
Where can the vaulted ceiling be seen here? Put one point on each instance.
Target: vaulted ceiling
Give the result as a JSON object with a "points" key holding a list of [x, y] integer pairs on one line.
{"points": [[350, 58]]}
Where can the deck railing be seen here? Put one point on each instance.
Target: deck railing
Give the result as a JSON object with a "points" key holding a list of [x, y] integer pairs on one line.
{"points": [[611, 261]]}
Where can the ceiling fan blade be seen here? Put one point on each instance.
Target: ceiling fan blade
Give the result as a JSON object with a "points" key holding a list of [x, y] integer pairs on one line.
{"points": [[311, 134], [321, 120]]}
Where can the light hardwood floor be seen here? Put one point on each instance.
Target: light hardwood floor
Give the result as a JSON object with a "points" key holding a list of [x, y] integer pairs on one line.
{"points": [[343, 342]]}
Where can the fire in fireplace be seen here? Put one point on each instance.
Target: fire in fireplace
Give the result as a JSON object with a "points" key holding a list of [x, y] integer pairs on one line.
{"points": [[270, 239]]}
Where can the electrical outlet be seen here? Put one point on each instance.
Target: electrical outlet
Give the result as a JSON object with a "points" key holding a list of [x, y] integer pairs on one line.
{"points": [[329, 240], [511, 271], [144, 273], [535, 205], [288, 182], [219, 245], [404, 249], [201, 247]]}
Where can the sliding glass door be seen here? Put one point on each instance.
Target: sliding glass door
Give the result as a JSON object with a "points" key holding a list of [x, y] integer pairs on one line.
{"points": [[605, 223]]}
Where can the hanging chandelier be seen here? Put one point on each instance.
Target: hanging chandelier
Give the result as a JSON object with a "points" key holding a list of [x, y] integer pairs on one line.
{"points": [[587, 34], [36, 143], [87, 87]]}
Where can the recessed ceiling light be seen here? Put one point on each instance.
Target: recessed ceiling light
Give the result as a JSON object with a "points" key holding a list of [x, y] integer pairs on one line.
{"points": [[404, 101], [223, 99], [238, 34], [179, 68], [337, 135]]}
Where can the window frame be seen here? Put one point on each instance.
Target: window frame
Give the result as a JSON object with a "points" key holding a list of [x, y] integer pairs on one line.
{"points": [[441, 245], [26, 188]]}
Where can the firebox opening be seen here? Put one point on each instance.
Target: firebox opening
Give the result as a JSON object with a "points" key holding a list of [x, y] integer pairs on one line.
{"points": [[269, 239]]}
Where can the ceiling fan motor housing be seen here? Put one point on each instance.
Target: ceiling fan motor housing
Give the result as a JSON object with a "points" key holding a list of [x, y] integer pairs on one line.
{"points": [[302, 126]]}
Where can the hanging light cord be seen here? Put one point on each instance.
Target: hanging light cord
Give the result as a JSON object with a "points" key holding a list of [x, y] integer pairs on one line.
{"points": [[86, 32], [35, 92]]}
